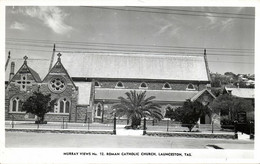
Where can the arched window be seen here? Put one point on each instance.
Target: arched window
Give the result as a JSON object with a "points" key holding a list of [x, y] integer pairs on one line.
{"points": [[190, 87], [99, 108], [167, 86], [143, 85], [97, 84], [16, 105], [62, 106], [119, 85]]}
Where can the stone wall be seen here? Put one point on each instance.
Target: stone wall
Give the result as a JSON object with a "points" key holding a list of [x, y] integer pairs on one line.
{"points": [[70, 92], [83, 114]]}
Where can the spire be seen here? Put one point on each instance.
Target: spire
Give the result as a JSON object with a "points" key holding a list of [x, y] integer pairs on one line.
{"points": [[25, 59], [52, 57], [8, 58], [206, 63]]}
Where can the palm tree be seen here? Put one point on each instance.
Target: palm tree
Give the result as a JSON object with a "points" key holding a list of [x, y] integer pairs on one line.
{"points": [[136, 106]]}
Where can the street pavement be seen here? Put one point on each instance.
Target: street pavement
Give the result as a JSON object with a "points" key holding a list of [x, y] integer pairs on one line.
{"points": [[57, 140]]}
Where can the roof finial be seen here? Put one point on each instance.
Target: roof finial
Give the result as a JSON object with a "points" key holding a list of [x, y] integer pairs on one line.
{"points": [[25, 58], [59, 55], [9, 54]]}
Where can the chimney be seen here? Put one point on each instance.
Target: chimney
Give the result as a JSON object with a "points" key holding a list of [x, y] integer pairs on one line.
{"points": [[12, 71]]}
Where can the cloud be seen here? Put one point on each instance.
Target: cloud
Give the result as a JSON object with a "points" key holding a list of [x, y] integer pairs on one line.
{"points": [[18, 26], [212, 20], [227, 23], [52, 17], [164, 28]]}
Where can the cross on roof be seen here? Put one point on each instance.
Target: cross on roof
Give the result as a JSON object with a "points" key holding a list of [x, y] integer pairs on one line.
{"points": [[25, 58], [59, 55]]}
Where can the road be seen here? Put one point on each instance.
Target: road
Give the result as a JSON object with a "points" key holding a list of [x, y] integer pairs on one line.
{"points": [[54, 140]]}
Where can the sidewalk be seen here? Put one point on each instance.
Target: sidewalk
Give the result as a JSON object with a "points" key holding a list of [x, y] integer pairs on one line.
{"points": [[84, 128]]}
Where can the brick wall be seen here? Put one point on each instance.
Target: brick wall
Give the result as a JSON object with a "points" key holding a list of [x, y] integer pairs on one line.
{"points": [[108, 117], [151, 85]]}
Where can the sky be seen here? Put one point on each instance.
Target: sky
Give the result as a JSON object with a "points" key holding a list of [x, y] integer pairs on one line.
{"points": [[227, 33]]}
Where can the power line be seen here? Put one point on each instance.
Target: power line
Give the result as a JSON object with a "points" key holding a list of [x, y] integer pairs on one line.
{"points": [[137, 51], [195, 11], [75, 52], [108, 46], [143, 51], [12, 48], [231, 62], [157, 12], [128, 45]]}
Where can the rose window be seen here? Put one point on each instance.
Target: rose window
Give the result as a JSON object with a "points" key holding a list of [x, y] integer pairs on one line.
{"points": [[57, 84]]}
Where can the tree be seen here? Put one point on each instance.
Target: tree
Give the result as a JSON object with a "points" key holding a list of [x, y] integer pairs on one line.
{"points": [[190, 113], [136, 106], [169, 113], [228, 106], [38, 104]]}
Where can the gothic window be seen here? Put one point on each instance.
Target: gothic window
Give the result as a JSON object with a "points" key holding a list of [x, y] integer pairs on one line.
{"points": [[190, 87], [16, 105], [143, 85], [119, 85], [167, 86], [23, 82], [97, 84], [57, 84], [62, 106], [99, 110]]}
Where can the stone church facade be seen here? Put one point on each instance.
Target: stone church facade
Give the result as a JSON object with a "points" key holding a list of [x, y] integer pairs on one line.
{"points": [[85, 86]]}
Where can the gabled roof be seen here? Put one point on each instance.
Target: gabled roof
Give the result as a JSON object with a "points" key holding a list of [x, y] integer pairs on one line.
{"points": [[135, 66], [241, 92], [39, 68], [35, 75], [59, 68], [161, 95], [194, 98], [25, 67]]}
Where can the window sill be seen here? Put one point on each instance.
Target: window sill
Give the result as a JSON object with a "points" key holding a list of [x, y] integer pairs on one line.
{"points": [[119, 87], [167, 88], [17, 112], [143, 87], [190, 89], [58, 113]]}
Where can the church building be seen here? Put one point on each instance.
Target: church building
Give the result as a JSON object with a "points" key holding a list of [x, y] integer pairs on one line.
{"points": [[86, 85]]}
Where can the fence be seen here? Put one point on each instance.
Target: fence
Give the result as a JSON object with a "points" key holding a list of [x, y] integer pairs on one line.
{"points": [[64, 124], [148, 125]]}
